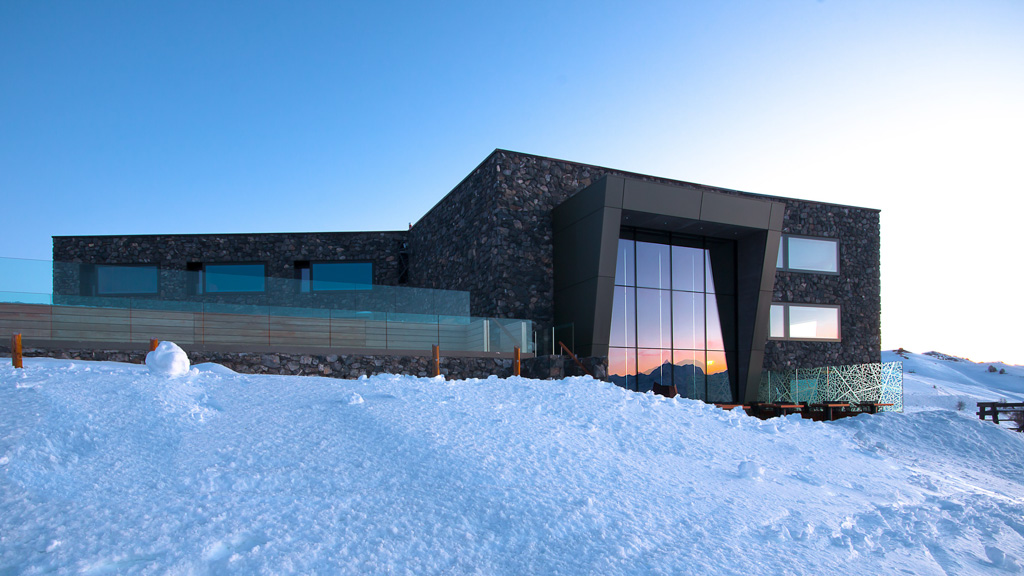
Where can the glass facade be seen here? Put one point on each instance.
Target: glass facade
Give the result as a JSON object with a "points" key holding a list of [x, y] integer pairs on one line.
{"points": [[341, 276], [234, 278], [116, 280], [666, 315]]}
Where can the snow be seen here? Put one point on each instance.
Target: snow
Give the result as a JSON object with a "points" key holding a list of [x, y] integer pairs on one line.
{"points": [[108, 468], [933, 380], [168, 360]]}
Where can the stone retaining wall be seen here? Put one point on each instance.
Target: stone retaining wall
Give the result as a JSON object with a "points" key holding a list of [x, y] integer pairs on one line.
{"points": [[346, 366]]}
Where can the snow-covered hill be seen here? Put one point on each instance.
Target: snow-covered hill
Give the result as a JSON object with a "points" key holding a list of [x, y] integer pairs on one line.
{"points": [[106, 468], [933, 380]]}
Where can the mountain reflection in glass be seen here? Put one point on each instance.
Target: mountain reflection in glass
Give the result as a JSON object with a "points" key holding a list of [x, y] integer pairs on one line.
{"points": [[665, 318]]}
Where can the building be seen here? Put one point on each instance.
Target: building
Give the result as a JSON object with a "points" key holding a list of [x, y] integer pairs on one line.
{"points": [[664, 281]]}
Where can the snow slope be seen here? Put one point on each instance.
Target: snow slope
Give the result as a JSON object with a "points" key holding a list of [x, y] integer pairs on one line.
{"points": [[941, 381], [106, 468]]}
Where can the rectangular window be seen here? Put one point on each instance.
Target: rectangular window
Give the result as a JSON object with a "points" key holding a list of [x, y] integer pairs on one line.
{"points": [[802, 254], [234, 278], [332, 276], [126, 280], [804, 322]]}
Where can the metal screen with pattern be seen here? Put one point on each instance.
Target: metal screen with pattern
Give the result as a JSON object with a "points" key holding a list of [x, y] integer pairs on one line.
{"points": [[857, 383]]}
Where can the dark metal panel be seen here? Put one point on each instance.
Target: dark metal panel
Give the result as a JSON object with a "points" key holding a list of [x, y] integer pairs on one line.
{"points": [[756, 353], [605, 192], [588, 305], [585, 246], [610, 225], [679, 201], [778, 216], [603, 316], [748, 212], [771, 257], [577, 304]]}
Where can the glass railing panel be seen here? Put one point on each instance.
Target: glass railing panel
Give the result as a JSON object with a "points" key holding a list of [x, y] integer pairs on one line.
{"points": [[286, 312], [23, 276], [26, 297], [881, 383]]}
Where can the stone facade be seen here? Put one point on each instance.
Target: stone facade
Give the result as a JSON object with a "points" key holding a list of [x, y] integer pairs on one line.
{"points": [[279, 252], [856, 289], [492, 236]]}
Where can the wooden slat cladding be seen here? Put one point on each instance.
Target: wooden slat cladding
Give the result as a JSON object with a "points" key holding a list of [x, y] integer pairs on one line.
{"points": [[83, 324], [29, 320]]}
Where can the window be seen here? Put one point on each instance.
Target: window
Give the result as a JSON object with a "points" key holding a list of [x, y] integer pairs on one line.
{"points": [[802, 254], [126, 280], [665, 325], [334, 276], [804, 322], [218, 278]]}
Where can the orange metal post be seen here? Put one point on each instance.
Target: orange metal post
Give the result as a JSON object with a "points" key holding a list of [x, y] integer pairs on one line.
{"points": [[153, 343], [437, 360], [516, 370], [16, 351]]}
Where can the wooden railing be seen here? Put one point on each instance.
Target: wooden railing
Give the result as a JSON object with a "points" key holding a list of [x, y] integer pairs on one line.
{"points": [[993, 409]]}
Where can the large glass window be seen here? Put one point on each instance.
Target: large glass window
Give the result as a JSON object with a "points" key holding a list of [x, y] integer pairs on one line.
{"points": [[801, 254], [234, 278], [804, 322], [665, 314], [123, 280]]}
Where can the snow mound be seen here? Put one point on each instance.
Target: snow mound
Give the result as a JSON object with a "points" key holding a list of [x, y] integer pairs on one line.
{"points": [[168, 360], [221, 473]]}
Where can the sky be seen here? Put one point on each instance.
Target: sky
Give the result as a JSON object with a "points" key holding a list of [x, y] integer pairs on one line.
{"points": [[179, 117]]}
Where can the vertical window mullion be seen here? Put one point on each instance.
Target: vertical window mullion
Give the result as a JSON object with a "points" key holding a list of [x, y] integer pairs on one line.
{"points": [[636, 324]]}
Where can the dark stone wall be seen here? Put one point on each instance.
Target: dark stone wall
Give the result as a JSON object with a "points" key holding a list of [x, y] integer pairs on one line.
{"points": [[857, 288], [277, 251], [492, 236]]}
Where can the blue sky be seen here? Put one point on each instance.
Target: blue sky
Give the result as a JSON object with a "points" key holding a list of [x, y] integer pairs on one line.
{"points": [[160, 117]]}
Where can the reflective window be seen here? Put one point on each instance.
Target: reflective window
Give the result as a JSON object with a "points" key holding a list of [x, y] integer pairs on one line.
{"points": [[111, 280], [665, 326], [688, 320], [653, 367], [622, 367], [715, 340], [623, 331], [653, 318], [341, 276], [625, 267], [652, 265], [687, 269], [709, 280], [688, 369], [234, 278], [808, 254], [817, 323], [777, 321], [804, 322]]}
